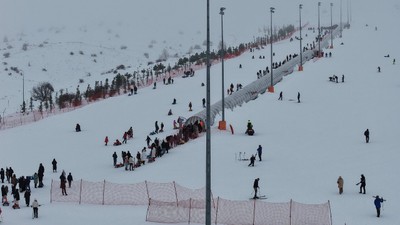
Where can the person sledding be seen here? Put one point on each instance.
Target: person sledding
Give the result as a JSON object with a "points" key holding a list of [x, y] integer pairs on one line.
{"points": [[249, 130]]}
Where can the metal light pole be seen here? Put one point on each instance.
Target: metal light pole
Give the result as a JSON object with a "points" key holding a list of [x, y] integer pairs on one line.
{"points": [[319, 32], [208, 127], [23, 93], [271, 87], [301, 47], [331, 28], [222, 124], [341, 25]]}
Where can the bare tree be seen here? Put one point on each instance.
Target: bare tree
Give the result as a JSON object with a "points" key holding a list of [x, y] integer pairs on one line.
{"points": [[42, 92]]}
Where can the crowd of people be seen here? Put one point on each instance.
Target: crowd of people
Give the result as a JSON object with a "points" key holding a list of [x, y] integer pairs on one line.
{"points": [[21, 186]]}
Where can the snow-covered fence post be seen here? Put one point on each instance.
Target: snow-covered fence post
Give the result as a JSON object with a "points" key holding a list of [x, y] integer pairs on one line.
{"points": [[176, 194], [254, 211], [51, 191], [80, 192], [104, 188], [290, 212], [147, 190], [216, 212], [330, 211], [190, 209]]}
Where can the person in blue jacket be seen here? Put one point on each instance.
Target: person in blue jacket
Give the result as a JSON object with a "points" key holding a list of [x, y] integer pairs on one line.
{"points": [[378, 205]]}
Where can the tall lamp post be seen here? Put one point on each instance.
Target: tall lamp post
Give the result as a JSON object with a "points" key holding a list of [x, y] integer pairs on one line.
{"points": [[301, 47], [341, 25], [331, 29], [222, 124], [23, 107], [271, 87], [208, 124], [319, 32]]}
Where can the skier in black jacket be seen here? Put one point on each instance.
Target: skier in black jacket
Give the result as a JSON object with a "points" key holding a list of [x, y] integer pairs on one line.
{"points": [[256, 187]]}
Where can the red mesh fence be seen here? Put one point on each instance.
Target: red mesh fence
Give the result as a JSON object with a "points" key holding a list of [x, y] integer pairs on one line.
{"points": [[172, 203], [107, 193], [252, 212], [313, 214]]}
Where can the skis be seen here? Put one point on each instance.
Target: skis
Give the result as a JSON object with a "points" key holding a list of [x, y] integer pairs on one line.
{"points": [[259, 197]]}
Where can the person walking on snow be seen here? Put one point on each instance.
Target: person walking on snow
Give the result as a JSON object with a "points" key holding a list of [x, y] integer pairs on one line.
{"points": [[69, 179], [148, 139], [190, 106], [106, 140], [156, 127], [115, 158], [280, 96], [378, 204], [366, 134], [63, 180], [340, 183], [27, 196], [298, 97], [54, 162], [363, 183], [252, 159], [259, 152], [256, 187]]}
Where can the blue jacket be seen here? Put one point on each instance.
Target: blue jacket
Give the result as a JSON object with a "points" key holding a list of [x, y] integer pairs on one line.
{"points": [[377, 202]]}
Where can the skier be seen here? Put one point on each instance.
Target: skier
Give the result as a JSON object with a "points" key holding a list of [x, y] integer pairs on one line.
{"points": [[106, 140], [35, 206], [256, 187], [69, 179], [378, 203], [174, 101], [63, 180], [54, 163], [379, 69], [340, 183], [363, 183], [298, 97], [204, 102], [170, 112], [280, 96], [115, 158], [27, 196], [252, 159], [394, 61], [366, 134], [259, 151]]}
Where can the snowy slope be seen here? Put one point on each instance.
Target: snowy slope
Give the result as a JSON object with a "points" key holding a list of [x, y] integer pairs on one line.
{"points": [[306, 146]]}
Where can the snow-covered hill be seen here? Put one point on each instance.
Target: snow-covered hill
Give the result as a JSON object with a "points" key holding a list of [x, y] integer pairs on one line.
{"points": [[307, 146]]}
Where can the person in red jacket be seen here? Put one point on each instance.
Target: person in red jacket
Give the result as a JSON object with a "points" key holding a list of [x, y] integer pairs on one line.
{"points": [[106, 140]]}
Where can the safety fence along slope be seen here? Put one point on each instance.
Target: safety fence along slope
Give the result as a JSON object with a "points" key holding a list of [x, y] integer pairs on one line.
{"points": [[251, 212]]}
